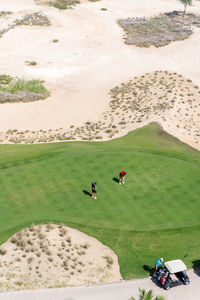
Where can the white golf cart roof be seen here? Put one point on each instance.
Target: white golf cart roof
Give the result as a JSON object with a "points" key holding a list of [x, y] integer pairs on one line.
{"points": [[175, 266]]}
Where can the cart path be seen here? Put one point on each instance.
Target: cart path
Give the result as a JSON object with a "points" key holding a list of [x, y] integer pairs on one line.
{"points": [[112, 291]]}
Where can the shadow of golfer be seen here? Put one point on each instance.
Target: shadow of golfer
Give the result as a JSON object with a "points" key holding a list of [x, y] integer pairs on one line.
{"points": [[196, 267], [149, 269], [87, 193], [116, 179]]}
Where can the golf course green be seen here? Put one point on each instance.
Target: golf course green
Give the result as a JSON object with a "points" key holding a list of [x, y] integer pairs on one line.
{"points": [[156, 212]]}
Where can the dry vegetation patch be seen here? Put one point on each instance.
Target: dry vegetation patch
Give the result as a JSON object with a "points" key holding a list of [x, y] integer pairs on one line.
{"points": [[160, 30], [34, 20], [20, 90], [60, 4], [164, 97], [29, 18], [50, 255], [4, 13]]}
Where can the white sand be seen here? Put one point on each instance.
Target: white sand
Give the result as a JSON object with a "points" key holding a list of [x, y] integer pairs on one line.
{"points": [[49, 255], [89, 59]]}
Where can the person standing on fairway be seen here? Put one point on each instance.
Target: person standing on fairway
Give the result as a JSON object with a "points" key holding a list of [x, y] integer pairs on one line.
{"points": [[121, 177], [94, 190]]}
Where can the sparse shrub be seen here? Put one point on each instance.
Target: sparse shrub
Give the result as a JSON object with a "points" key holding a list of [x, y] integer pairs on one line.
{"points": [[63, 4], [13, 239], [31, 63], [48, 252], [109, 260], [29, 242], [3, 251], [19, 283], [18, 259], [29, 260], [5, 79], [41, 236], [108, 130], [63, 231], [86, 245], [68, 239], [50, 226]]}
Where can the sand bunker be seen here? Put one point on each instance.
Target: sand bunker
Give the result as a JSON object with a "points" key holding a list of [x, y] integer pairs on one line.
{"points": [[50, 255]]}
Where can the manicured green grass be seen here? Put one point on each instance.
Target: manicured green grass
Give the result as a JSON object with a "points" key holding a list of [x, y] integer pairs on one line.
{"points": [[156, 212]]}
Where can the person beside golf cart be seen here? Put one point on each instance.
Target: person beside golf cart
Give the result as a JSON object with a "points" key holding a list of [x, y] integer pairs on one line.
{"points": [[173, 274], [158, 265], [163, 276]]}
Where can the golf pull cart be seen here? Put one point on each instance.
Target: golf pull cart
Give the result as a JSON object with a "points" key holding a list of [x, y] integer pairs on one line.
{"points": [[173, 274]]}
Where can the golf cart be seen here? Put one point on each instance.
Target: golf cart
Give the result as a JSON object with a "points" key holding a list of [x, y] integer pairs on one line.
{"points": [[173, 274]]}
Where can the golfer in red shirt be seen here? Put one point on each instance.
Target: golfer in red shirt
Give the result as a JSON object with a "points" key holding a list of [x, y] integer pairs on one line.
{"points": [[121, 177]]}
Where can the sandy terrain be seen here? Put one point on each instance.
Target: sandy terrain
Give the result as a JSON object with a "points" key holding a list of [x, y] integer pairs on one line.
{"points": [[50, 255], [88, 61]]}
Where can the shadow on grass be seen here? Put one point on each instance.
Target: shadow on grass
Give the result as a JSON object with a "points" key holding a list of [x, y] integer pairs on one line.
{"points": [[196, 266], [116, 179], [87, 193], [149, 269]]}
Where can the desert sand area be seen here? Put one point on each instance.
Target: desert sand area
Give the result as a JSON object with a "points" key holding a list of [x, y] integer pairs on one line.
{"points": [[89, 60], [49, 255]]}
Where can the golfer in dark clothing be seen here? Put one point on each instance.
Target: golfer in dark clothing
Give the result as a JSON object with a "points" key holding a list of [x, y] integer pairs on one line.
{"points": [[94, 190]]}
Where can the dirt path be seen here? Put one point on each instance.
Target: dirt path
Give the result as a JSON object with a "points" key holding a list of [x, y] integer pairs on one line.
{"points": [[114, 291]]}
